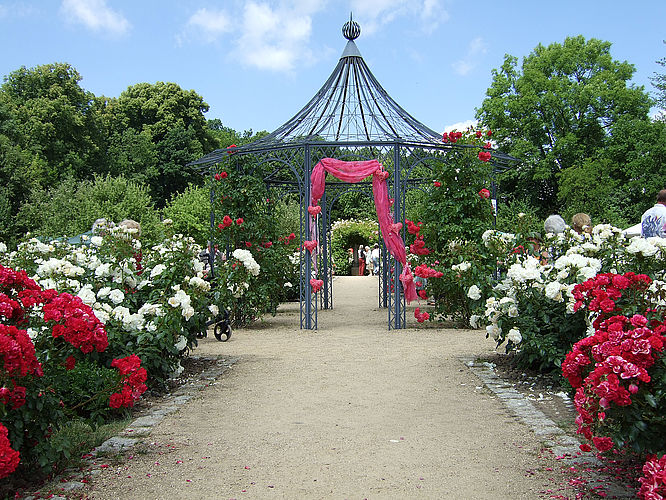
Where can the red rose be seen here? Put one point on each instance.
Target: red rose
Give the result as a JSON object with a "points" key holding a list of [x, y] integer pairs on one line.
{"points": [[484, 193], [437, 184], [248, 244], [485, 156], [116, 400], [602, 443], [445, 137], [226, 222], [489, 133], [239, 221], [70, 363], [585, 447], [479, 133], [18, 397]]}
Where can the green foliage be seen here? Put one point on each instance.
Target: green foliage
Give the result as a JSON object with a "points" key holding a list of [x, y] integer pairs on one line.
{"points": [[253, 229], [55, 121], [520, 216], [190, 213], [556, 111], [455, 210], [659, 82], [72, 207], [346, 234], [155, 130], [353, 205]]}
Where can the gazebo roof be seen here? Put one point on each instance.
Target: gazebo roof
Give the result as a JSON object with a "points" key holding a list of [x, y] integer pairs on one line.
{"points": [[351, 106]]}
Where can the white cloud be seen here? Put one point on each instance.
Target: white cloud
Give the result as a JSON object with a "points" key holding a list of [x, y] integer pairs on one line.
{"points": [[95, 15], [373, 14], [266, 35], [207, 25], [461, 126], [476, 48], [275, 38]]}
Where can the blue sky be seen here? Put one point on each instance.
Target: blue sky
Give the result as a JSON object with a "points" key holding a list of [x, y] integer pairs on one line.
{"points": [[257, 62]]}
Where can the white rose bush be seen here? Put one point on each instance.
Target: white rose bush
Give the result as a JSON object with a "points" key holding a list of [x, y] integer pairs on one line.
{"points": [[534, 290], [149, 299]]}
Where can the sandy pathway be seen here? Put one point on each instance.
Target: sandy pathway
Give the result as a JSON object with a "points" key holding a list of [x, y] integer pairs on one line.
{"points": [[349, 411]]}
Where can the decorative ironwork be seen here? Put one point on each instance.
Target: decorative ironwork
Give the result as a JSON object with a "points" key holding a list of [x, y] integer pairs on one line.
{"points": [[351, 117]]}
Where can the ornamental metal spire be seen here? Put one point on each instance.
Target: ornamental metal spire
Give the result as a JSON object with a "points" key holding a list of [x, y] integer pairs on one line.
{"points": [[352, 106]]}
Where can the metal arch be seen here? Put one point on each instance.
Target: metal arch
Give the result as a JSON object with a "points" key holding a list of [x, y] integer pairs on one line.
{"points": [[339, 188]]}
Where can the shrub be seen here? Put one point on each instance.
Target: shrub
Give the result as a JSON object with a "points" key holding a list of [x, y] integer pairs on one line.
{"points": [[190, 213], [72, 207]]}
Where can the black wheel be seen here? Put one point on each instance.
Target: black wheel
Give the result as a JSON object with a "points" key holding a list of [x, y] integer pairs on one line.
{"points": [[222, 331]]}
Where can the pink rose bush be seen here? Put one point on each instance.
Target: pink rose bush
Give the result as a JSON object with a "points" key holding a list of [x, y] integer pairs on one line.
{"points": [[619, 373]]}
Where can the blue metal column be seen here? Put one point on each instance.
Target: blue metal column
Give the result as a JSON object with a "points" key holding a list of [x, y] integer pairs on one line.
{"points": [[325, 265], [398, 295], [308, 305]]}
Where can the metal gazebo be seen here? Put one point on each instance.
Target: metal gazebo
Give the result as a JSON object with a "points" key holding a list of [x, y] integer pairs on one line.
{"points": [[351, 117]]}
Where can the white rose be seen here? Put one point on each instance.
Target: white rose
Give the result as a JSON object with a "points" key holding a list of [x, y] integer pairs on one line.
{"points": [[494, 331], [554, 291], [104, 292], [3, 247], [87, 295], [474, 293], [174, 302], [181, 344], [116, 296], [513, 311], [157, 270], [188, 312], [474, 321], [214, 310], [514, 336], [97, 241]]}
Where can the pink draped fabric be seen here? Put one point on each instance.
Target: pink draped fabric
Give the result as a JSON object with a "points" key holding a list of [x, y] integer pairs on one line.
{"points": [[355, 171]]}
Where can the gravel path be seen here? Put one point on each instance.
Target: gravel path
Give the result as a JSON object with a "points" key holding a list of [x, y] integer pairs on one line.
{"points": [[349, 411]]}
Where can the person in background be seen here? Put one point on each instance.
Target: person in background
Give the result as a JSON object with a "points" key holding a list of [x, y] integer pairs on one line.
{"points": [[368, 261], [581, 223], [361, 261], [374, 255], [653, 221], [554, 224]]}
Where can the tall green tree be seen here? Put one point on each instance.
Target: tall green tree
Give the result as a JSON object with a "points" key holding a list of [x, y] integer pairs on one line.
{"points": [[55, 121], [659, 82], [556, 111], [154, 131]]}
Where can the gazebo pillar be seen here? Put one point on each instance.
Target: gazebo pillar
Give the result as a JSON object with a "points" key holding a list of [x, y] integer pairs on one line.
{"points": [[396, 308], [308, 305]]}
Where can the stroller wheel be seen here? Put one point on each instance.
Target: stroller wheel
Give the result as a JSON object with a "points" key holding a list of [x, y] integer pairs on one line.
{"points": [[222, 331]]}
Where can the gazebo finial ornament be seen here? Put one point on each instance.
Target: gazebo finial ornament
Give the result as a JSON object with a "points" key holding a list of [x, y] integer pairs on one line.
{"points": [[351, 29]]}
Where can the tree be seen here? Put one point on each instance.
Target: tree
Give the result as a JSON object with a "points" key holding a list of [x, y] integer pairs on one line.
{"points": [[154, 131], [54, 120], [557, 111], [659, 82]]}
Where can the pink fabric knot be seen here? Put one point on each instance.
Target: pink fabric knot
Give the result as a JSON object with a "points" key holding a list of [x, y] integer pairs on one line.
{"points": [[316, 285], [310, 245], [382, 175], [396, 227], [314, 210]]}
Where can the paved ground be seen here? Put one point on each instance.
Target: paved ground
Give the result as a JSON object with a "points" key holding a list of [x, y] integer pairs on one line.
{"points": [[349, 411]]}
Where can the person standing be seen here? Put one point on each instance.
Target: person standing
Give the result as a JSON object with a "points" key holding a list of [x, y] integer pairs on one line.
{"points": [[361, 261], [653, 221], [374, 255]]}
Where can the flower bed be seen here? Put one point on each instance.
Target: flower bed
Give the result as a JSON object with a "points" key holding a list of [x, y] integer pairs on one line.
{"points": [[84, 330]]}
